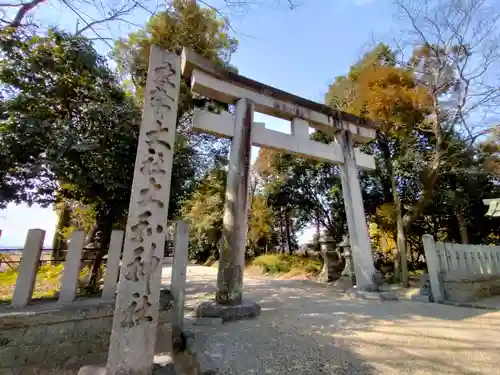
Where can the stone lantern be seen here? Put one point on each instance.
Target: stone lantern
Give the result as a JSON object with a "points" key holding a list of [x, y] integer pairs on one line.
{"points": [[333, 263], [345, 247]]}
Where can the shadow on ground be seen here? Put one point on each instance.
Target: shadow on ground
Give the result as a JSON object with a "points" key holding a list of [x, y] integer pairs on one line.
{"points": [[307, 328]]}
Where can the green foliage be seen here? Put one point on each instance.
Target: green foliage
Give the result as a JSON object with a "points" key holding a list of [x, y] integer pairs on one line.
{"points": [[308, 190], [390, 96], [47, 284], [203, 212], [68, 126], [438, 177], [202, 30], [185, 24], [287, 264], [260, 224], [65, 120]]}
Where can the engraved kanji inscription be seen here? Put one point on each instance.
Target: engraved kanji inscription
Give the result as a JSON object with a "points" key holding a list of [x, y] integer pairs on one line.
{"points": [[145, 231]]}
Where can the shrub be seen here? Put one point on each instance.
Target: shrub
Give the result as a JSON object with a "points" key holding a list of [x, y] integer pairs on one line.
{"points": [[48, 280], [280, 263]]}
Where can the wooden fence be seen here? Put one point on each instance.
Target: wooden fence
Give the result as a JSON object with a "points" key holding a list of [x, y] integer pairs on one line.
{"points": [[31, 259], [458, 261]]}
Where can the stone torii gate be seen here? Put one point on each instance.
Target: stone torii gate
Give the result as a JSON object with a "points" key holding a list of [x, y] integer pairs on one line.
{"points": [[135, 321], [212, 81]]}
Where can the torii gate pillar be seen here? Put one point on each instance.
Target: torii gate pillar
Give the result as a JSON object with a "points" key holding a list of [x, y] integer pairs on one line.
{"points": [[359, 238], [226, 86], [229, 303]]}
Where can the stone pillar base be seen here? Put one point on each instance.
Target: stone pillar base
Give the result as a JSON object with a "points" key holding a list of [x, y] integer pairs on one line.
{"points": [[344, 283], [165, 367], [245, 310]]}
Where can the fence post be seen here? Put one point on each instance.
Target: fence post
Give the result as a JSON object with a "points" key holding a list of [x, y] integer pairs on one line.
{"points": [[28, 268], [433, 266], [178, 281], [72, 267], [113, 264]]}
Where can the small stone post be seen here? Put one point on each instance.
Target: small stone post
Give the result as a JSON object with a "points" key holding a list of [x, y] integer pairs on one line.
{"points": [[113, 265], [178, 282], [28, 268], [133, 335], [71, 270], [433, 267], [358, 229], [229, 296]]}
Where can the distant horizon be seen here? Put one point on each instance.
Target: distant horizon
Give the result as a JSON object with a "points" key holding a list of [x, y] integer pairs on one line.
{"points": [[14, 248], [17, 219]]}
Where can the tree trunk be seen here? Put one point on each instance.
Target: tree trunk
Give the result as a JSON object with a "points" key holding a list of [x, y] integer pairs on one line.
{"points": [[91, 234], [318, 231], [282, 232], [397, 261], [410, 254], [59, 244], [430, 180], [288, 231], [462, 225], [104, 225], [401, 238]]}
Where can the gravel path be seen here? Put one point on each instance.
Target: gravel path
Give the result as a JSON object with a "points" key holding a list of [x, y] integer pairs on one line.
{"points": [[307, 328]]}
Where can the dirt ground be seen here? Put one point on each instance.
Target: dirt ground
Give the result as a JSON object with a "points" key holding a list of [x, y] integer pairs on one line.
{"points": [[309, 328]]}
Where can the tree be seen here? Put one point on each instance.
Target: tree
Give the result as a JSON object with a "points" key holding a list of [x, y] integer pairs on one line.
{"points": [[455, 57], [489, 152], [67, 126], [272, 168], [260, 225], [184, 24], [74, 123], [93, 17], [203, 212], [302, 191], [57, 94], [430, 175], [59, 242], [390, 96], [65, 119]]}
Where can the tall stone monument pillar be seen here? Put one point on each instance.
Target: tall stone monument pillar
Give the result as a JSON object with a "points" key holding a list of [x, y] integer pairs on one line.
{"points": [[355, 212], [133, 337], [229, 303]]}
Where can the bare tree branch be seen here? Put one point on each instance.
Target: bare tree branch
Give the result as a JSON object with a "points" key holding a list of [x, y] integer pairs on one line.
{"points": [[456, 57], [24, 9], [114, 16]]}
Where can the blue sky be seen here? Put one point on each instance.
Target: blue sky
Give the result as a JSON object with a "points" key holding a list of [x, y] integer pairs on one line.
{"points": [[299, 51]]}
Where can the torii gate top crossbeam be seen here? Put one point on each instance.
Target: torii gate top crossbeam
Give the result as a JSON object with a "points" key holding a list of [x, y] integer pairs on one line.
{"points": [[224, 85]]}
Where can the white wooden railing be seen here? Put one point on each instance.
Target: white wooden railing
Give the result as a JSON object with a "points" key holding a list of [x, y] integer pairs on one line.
{"points": [[451, 259]]}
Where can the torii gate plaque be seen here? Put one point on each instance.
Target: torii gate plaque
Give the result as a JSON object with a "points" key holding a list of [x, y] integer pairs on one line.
{"points": [[213, 81]]}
